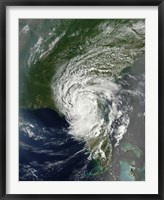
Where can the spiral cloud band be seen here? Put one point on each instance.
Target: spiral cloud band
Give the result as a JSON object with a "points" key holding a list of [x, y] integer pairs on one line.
{"points": [[86, 92]]}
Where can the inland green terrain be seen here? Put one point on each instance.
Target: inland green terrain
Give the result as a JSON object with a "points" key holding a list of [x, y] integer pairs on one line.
{"points": [[77, 36]]}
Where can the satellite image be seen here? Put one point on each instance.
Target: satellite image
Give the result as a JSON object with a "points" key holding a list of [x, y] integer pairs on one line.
{"points": [[81, 100]]}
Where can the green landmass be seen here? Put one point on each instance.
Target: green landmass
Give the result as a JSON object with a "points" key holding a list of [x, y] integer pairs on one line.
{"points": [[35, 81]]}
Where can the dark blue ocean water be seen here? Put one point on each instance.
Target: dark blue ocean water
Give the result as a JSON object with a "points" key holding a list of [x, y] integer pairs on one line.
{"points": [[47, 152]]}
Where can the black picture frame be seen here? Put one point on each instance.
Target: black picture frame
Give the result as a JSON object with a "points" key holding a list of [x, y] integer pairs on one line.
{"points": [[3, 5]]}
